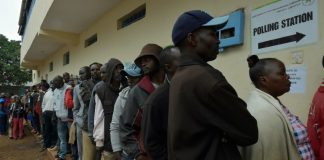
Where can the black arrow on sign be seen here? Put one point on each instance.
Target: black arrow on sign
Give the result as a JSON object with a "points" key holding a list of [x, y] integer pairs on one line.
{"points": [[295, 37]]}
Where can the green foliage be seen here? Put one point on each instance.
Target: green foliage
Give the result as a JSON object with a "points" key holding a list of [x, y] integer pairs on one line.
{"points": [[10, 71]]}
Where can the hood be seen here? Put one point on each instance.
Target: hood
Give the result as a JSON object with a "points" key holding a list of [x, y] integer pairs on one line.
{"points": [[111, 65]]}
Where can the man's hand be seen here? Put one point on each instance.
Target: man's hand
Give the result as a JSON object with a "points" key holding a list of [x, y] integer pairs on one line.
{"points": [[117, 155], [142, 157], [92, 140], [100, 148]]}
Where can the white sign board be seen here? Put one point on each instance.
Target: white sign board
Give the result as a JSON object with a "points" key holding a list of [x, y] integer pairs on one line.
{"points": [[297, 76], [284, 24]]}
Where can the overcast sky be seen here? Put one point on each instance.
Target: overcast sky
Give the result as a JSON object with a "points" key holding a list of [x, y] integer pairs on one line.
{"points": [[9, 16]]}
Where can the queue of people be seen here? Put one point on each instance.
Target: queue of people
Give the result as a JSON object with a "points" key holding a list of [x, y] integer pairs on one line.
{"points": [[171, 104]]}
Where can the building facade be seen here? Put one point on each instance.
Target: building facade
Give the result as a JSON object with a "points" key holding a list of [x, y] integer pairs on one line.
{"points": [[61, 36]]}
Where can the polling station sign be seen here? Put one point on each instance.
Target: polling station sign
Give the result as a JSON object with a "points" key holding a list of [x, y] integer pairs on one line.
{"points": [[284, 24]]}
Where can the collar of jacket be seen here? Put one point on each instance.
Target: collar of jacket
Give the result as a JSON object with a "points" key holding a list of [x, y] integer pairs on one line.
{"points": [[146, 84], [188, 60]]}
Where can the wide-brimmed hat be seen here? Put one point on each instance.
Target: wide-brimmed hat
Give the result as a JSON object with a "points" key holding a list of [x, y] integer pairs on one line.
{"points": [[150, 49]]}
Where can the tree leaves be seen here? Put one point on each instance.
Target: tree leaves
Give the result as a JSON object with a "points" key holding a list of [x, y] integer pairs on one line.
{"points": [[10, 71]]}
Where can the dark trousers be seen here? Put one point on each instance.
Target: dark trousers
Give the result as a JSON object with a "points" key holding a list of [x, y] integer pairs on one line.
{"points": [[36, 123], [98, 153], [3, 124], [49, 129]]}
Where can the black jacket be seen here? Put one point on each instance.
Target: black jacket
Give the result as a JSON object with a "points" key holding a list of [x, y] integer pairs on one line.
{"points": [[207, 120], [155, 123], [108, 96]]}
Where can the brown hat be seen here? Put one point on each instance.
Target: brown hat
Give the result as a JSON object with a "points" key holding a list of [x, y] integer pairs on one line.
{"points": [[149, 50]]}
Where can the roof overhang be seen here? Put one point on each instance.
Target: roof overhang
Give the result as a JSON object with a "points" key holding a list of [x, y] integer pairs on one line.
{"points": [[41, 48], [75, 16], [62, 25]]}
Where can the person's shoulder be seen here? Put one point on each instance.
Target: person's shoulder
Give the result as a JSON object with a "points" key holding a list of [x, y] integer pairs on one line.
{"points": [[124, 91], [101, 83], [159, 94], [68, 86], [98, 85], [258, 104]]}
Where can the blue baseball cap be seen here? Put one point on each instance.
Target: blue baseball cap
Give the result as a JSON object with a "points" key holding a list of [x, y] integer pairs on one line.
{"points": [[2, 100], [131, 70], [193, 20]]}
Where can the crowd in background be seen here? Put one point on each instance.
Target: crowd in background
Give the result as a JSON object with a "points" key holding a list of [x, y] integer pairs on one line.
{"points": [[169, 104]]}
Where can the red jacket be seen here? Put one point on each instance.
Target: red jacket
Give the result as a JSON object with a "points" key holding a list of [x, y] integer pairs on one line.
{"points": [[68, 98], [315, 123]]}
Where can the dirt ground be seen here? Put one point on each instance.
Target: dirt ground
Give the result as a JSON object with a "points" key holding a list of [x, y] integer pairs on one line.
{"points": [[27, 148]]}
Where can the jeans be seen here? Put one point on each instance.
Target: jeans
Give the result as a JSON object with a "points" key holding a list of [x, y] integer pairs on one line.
{"points": [[125, 156], [79, 141], [62, 131]]}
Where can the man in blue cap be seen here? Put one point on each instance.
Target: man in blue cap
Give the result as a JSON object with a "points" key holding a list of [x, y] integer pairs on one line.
{"points": [[207, 119], [133, 74]]}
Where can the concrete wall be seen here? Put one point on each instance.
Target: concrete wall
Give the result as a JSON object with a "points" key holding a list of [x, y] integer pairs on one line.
{"points": [[36, 18], [125, 44]]}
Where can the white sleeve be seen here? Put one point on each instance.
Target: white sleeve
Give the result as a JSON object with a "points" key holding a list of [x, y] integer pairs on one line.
{"points": [[99, 128], [114, 125], [44, 101]]}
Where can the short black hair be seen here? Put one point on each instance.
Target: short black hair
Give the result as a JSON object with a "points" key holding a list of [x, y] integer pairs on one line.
{"points": [[166, 55], [45, 85], [86, 68], [95, 63], [43, 81], [66, 73], [58, 77]]}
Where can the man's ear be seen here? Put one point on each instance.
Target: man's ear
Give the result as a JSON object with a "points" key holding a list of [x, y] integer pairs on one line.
{"points": [[191, 39], [167, 67]]}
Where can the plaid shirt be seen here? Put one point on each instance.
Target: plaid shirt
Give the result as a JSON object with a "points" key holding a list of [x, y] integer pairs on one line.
{"points": [[300, 133]]}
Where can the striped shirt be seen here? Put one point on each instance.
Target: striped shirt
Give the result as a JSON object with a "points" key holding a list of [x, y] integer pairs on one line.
{"points": [[300, 134]]}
